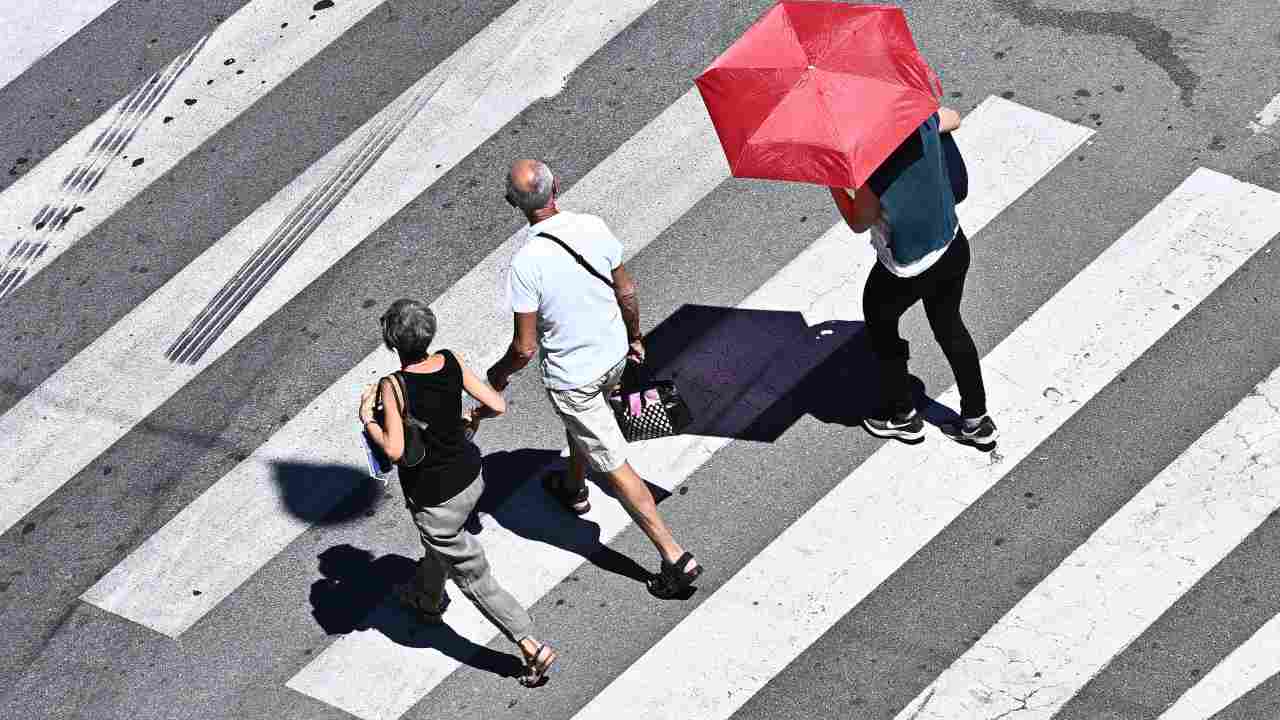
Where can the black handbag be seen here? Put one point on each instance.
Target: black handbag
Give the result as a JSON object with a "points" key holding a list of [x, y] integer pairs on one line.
{"points": [[957, 173], [648, 409], [644, 409], [415, 446]]}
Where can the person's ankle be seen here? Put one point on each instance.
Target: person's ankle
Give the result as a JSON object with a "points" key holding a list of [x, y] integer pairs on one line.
{"points": [[529, 645], [674, 558], [971, 423]]}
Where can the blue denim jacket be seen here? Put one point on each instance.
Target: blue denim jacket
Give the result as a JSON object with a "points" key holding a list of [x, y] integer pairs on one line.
{"points": [[915, 195]]}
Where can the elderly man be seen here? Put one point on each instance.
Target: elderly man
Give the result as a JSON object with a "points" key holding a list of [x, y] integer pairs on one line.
{"points": [[573, 299]]}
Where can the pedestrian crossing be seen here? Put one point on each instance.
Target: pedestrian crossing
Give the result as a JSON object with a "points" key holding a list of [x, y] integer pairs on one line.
{"points": [[746, 631], [30, 31]]}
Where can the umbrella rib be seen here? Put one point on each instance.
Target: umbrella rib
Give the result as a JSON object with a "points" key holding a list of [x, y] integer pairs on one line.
{"points": [[848, 32], [795, 36], [831, 114]]}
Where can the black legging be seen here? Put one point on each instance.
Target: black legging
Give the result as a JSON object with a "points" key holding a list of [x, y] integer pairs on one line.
{"points": [[888, 296]]}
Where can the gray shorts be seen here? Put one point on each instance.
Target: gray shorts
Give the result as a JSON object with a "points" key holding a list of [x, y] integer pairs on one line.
{"points": [[589, 422]]}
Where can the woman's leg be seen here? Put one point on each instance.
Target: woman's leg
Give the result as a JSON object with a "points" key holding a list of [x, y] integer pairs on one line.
{"points": [[884, 299], [460, 552], [942, 306]]}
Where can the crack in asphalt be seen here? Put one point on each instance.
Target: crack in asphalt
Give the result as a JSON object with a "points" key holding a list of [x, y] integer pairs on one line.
{"points": [[1153, 42]]}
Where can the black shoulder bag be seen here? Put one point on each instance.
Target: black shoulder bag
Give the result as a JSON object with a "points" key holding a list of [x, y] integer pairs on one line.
{"points": [[415, 446], [957, 173], [644, 409]]}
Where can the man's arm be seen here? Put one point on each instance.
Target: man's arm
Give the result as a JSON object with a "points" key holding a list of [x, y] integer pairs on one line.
{"points": [[524, 345], [624, 290]]}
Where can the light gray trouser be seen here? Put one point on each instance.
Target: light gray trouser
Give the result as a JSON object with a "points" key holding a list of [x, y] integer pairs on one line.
{"points": [[455, 553]]}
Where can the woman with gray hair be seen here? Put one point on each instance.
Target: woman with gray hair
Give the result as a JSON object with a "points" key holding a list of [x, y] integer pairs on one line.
{"points": [[442, 489]]}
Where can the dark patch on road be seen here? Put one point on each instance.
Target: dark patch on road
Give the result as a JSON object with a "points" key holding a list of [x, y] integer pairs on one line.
{"points": [[1152, 41], [322, 5]]}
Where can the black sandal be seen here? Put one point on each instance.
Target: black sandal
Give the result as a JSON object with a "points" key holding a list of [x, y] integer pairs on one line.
{"points": [[537, 667], [575, 502], [674, 578]]}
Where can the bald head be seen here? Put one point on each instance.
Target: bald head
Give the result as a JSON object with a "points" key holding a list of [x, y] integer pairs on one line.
{"points": [[530, 185]]}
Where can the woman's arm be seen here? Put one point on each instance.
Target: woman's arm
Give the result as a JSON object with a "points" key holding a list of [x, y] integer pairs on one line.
{"points": [[860, 208], [948, 119], [391, 436], [481, 391]]}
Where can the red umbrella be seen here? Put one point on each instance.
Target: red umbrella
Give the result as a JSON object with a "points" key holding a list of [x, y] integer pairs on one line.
{"points": [[819, 92]]}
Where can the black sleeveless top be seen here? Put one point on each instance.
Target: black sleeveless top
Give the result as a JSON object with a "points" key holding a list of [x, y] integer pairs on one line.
{"points": [[452, 461]]}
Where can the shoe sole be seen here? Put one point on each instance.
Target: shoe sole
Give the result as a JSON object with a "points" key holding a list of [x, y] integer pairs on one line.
{"points": [[976, 440], [906, 435]]}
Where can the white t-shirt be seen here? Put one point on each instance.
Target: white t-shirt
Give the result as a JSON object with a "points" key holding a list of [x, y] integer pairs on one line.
{"points": [[580, 328], [880, 236]]}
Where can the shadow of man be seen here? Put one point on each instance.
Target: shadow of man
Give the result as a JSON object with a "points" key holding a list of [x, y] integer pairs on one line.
{"points": [[514, 497], [355, 594]]}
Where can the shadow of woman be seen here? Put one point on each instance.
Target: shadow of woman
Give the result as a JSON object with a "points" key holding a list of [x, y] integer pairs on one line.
{"points": [[354, 594]]}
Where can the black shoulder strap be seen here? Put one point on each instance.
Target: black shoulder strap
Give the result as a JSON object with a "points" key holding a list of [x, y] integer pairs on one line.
{"points": [[576, 256]]}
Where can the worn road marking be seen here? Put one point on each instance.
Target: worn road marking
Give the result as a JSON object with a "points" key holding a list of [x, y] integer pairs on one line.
{"points": [[251, 38]]}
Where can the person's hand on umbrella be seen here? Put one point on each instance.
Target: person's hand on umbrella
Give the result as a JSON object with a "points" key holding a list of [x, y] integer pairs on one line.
{"points": [[948, 119], [819, 92]]}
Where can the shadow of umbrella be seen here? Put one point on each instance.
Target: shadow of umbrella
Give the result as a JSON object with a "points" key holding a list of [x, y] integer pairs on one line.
{"points": [[353, 594], [751, 374]]}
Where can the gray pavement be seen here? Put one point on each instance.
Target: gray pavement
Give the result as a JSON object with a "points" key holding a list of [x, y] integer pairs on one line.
{"points": [[1169, 86]]}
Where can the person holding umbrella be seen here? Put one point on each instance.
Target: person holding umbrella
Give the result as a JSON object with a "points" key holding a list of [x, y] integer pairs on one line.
{"points": [[838, 95], [922, 256]]}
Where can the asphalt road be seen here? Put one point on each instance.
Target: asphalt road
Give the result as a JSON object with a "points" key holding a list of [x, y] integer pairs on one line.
{"points": [[1168, 87]]}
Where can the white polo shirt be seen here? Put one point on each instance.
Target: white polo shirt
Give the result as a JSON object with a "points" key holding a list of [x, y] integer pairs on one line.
{"points": [[580, 329]]}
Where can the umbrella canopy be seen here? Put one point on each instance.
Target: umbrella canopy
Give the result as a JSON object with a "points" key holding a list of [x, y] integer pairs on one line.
{"points": [[819, 92]]}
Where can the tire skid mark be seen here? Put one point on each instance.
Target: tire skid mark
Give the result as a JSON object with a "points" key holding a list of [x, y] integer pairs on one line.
{"points": [[84, 178], [292, 232]]}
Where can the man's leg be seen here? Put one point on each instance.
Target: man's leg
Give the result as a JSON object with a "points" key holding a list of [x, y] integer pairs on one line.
{"points": [[636, 499], [576, 474], [593, 432]]}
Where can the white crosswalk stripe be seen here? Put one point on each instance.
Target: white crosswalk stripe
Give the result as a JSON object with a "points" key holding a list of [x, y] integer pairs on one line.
{"points": [[28, 31], [879, 516], [1128, 573], [1062, 633], [1248, 666]]}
